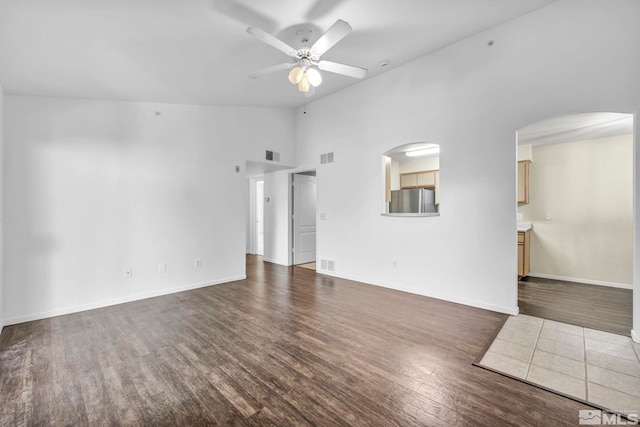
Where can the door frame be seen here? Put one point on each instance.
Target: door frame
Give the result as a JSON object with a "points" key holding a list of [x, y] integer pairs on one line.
{"points": [[635, 327], [251, 220], [291, 233], [258, 219]]}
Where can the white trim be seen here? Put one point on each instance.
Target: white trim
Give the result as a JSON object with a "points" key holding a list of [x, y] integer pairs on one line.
{"points": [[585, 281], [445, 297], [92, 306], [635, 337]]}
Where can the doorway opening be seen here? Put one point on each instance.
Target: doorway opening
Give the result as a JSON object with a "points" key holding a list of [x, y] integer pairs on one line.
{"points": [[575, 220], [255, 217], [304, 190]]}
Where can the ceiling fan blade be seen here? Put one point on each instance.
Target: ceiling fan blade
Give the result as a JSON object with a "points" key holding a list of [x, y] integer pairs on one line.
{"points": [[346, 70], [332, 36], [269, 39], [272, 69]]}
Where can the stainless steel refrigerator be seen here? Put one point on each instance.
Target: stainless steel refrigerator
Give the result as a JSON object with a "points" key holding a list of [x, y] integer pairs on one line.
{"points": [[413, 200]]}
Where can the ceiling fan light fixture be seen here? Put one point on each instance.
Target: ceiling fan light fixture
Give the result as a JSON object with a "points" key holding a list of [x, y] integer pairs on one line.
{"points": [[305, 70], [314, 77], [303, 85], [295, 75]]}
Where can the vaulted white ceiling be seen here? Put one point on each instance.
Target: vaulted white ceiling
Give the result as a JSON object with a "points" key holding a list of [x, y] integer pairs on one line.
{"points": [[197, 51]]}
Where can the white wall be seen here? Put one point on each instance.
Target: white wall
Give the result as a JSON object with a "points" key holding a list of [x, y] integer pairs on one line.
{"points": [[587, 188], [276, 217], [1, 205], [525, 152], [471, 99], [94, 187]]}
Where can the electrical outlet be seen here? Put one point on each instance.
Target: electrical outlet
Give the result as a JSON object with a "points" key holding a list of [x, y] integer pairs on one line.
{"points": [[128, 272], [395, 265], [198, 263], [547, 216], [519, 216], [162, 268]]}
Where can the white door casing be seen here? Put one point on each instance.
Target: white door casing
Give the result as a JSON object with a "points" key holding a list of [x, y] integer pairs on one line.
{"points": [[259, 249], [304, 218]]}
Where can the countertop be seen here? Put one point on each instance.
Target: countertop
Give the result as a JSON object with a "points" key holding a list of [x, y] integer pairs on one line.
{"points": [[524, 226]]}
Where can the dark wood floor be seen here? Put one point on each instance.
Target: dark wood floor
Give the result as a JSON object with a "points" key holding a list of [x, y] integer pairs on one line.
{"points": [[284, 347], [596, 307]]}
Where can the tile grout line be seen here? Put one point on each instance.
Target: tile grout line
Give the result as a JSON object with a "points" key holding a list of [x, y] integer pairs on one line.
{"points": [[635, 349], [535, 347]]}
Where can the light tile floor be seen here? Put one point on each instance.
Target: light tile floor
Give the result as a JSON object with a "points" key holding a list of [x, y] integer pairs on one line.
{"points": [[599, 367]]}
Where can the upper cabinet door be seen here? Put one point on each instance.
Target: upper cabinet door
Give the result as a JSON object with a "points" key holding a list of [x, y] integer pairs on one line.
{"points": [[427, 179], [408, 180], [523, 181]]}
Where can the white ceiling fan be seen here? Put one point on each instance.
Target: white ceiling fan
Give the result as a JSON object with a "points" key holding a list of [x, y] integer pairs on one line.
{"points": [[306, 60]]}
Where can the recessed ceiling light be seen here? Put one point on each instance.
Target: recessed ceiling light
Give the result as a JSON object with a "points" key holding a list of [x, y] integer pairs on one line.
{"points": [[425, 150], [384, 62]]}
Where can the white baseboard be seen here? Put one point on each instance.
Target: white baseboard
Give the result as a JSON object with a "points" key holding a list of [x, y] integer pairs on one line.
{"points": [[445, 297], [92, 306], [635, 336], [578, 280]]}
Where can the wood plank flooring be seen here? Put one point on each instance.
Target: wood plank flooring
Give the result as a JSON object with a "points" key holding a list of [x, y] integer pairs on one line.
{"points": [[308, 266], [284, 347], [590, 306]]}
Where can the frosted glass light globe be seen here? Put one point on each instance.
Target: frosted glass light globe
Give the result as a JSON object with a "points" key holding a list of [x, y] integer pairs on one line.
{"points": [[314, 77], [295, 75], [304, 85]]}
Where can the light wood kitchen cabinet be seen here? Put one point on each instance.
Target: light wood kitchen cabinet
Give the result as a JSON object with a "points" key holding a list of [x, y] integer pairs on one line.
{"points": [[422, 179], [387, 179], [408, 180], [523, 181], [524, 244], [437, 187], [426, 179]]}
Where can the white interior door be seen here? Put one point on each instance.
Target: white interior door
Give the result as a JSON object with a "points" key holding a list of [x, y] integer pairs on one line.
{"points": [[260, 218], [304, 218]]}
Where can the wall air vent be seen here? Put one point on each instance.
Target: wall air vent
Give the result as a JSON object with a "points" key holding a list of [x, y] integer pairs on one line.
{"points": [[326, 158], [327, 265], [272, 156]]}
